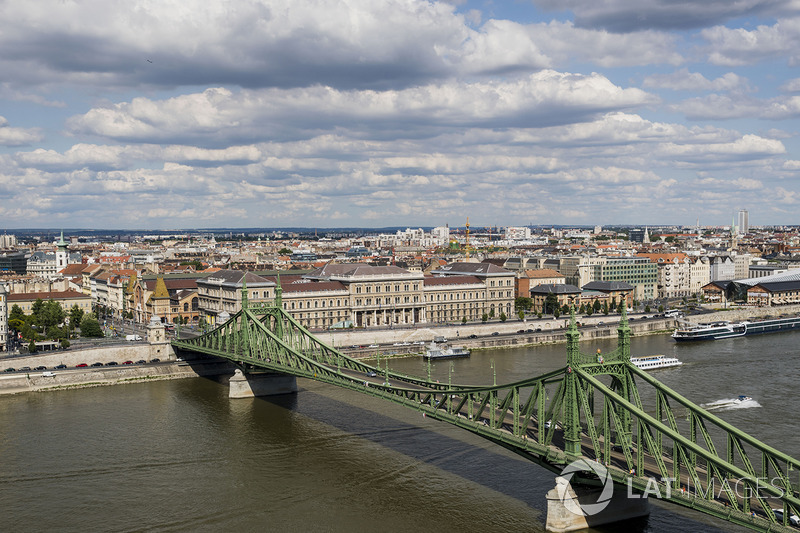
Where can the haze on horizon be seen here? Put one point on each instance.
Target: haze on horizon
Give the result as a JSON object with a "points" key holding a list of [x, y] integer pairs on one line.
{"points": [[363, 113]]}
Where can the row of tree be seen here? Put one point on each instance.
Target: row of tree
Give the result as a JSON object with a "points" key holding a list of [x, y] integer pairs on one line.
{"points": [[49, 321]]}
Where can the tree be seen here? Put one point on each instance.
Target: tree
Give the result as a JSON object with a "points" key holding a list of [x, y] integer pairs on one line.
{"points": [[565, 309], [75, 316], [64, 343], [521, 314], [556, 312], [284, 251], [503, 316], [90, 327], [523, 303], [605, 308], [491, 312], [32, 346], [596, 306], [463, 320], [582, 310], [16, 313], [646, 308], [551, 303], [484, 317]]}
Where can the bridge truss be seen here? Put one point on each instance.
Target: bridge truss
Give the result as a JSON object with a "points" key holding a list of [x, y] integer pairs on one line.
{"points": [[599, 407]]}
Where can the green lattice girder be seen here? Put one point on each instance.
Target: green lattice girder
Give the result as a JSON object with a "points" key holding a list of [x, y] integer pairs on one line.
{"points": [[550, 419]]}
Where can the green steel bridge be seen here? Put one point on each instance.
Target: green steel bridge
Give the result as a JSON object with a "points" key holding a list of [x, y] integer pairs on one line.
{"points": [[598, 407]]}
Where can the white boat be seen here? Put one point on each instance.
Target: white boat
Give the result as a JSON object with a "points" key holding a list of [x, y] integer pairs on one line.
{"points": [[725, 330], [444, 351], [742, 398], [651, 362]]}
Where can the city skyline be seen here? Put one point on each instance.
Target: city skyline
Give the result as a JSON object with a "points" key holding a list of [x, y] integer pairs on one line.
{"points": [[383, 114]]}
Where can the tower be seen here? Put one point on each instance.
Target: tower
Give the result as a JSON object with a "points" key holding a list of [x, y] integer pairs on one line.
{"points": [[62, 255], [744, 222]]}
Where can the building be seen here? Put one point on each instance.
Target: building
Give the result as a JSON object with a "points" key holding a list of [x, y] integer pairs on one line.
{"points": [[722, 267], [220, 293], [531, 278], [565, 294], [377, 295], [674, 274], [3, 318], [13, 263], [7, 241], [639, 235], [774, 293], [452, 299], [67, 299], [498, 281], [744, 222], [613, 293]]}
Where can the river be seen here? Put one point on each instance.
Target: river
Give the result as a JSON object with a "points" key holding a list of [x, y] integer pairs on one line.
{"points": [[180, 456]]}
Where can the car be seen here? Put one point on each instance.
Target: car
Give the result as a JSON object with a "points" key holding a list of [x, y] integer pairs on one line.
{"points": [[529, 331], [112, 363], [632, 318], [81, 365], [60, 367], [538, 330], [156, 360], [793, 519], [141, 362], [473, 336], [520, 331], [25, 369], [371, 374], [97, 364], [373, 346], [9, 369], [495, 333], [40, 368], [127, 362]]}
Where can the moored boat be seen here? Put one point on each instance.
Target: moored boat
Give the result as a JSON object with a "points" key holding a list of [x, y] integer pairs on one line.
{"points": [[444, 351], [725, 330]]}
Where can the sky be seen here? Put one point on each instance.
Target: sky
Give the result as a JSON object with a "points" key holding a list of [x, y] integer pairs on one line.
{"points": [[161, 114]]}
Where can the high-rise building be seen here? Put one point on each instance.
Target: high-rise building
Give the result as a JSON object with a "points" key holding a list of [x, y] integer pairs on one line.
{"points": [[744, 222]]}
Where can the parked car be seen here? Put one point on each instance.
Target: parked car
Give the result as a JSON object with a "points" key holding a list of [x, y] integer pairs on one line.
{"points": [[97, 364], [127, 362], [473, 336], [495, 333], [60, 367], [156, 360], [25, 369], [81, 365], [141, 362], [40, 368], [9, 369], [112, 363]]}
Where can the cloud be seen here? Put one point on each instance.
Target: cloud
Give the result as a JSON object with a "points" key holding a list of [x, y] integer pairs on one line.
{"points": [[683, 80], [10, 136], [738, 46], [248, 43], [621, 16], [715, 106], [223, 116]]}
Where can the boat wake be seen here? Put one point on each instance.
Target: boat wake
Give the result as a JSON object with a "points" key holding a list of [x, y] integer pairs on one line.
{"points": [[731, 403]]}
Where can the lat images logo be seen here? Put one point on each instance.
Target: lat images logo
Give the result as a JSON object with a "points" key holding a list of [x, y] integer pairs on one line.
{"points": [[570, 502]]}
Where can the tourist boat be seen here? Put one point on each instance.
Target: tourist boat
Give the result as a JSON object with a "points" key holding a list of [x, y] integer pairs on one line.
{"points": [[652, 362], [443, 351], [725, 330]]}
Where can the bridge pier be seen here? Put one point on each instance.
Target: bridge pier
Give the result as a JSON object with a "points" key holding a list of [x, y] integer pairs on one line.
{"points": [[260, 384], [569, 509]]}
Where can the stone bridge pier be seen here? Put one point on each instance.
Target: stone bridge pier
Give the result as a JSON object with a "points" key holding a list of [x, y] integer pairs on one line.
{"points": [[260, 384]]}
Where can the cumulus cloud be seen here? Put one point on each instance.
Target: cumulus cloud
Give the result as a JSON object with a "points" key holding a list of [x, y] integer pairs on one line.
{"points": [[716, 106], [541, 99], [739, 46], [622, 16], [683, 80], [10, 136]]}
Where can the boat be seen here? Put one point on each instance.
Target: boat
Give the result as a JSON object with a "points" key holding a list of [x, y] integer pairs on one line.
{"points": [[742, 398], [444, 351], [726, 330], [652, 362]]}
